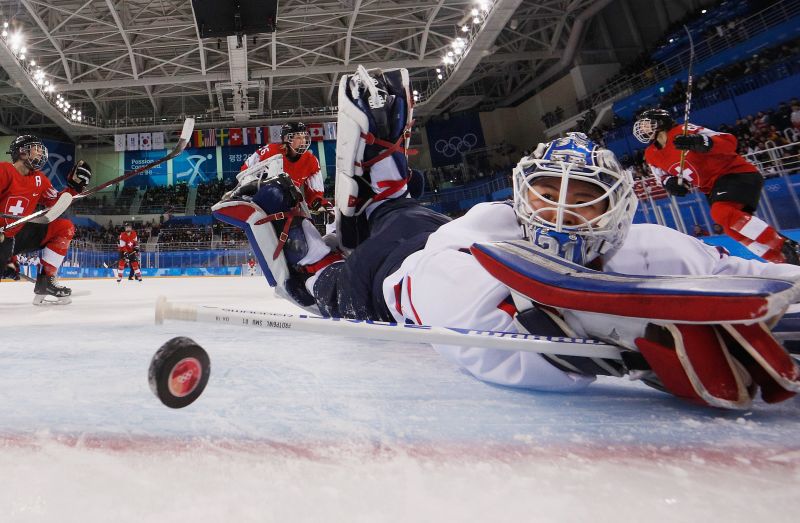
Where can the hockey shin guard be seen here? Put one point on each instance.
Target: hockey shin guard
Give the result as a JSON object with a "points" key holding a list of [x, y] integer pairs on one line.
{"points": [[752, 232], [55, 244]]}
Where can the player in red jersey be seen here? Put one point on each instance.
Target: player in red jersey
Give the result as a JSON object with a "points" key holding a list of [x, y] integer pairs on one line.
{"points": [[251, 264], [731, 183], [298, 162], [22, 186], [129, 251]]}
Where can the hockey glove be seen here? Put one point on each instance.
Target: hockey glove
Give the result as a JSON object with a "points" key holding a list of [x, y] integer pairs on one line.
{"points": [[79, 177], [323, 207], [677, 187], [698, 143]]}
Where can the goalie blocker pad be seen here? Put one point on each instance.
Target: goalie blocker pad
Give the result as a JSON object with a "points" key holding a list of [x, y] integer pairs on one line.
{"points": [[556, 282]]}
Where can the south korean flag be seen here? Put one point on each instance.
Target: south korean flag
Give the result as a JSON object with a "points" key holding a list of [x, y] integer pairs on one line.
{"points": [[145, 142]]}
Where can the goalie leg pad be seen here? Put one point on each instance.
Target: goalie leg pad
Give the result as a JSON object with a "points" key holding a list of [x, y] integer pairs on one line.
{"points": [[373, 130], [282, 240], [693, 362]]}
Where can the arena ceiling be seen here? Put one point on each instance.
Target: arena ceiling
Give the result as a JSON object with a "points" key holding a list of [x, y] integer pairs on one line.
{"points": [[132, 65]]}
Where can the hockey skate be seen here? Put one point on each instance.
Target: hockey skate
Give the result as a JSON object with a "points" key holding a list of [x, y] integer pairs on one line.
{"points": [[47, 286]]}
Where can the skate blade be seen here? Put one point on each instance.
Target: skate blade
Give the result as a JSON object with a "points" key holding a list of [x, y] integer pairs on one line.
{"points": [[44, 300]]}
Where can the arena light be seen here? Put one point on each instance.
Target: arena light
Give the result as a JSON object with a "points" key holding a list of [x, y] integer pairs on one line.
{"points": [[465, 28], [15, 40]]}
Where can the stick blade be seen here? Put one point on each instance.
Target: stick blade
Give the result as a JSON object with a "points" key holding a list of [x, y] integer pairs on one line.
{"points": [[188, 127]]}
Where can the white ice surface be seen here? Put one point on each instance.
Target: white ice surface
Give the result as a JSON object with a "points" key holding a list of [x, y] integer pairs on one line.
{"points": [[297, 427]]}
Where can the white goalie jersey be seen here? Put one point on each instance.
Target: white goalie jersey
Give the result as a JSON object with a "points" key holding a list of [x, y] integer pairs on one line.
{"points": [[471, 298]]}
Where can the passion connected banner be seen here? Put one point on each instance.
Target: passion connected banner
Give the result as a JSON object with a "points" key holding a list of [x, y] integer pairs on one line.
{"points": [[150, 178]]}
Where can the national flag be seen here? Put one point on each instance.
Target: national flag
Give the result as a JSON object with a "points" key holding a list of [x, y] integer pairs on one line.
{"points": [[315, 131], [274, 134], [253, 136], [145, 141], [133, 142], [222, 137], [210, 138], [119, 142], [158, 141], [197, 138], [236, 137], [330, 130]]}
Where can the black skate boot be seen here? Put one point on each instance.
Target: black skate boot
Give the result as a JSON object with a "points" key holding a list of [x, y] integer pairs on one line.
{"points": [[791, 251], [49, 286]]}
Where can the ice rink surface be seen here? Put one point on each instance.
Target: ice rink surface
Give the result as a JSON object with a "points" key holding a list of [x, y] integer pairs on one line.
{"points": [[296, 427]]}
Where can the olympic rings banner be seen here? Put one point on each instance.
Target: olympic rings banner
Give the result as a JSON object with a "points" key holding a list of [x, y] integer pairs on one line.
{"points": [[450, 139]]}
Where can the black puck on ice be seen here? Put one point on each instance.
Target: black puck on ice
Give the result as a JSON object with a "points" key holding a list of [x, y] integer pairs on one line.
{"points": [[179, 372]]}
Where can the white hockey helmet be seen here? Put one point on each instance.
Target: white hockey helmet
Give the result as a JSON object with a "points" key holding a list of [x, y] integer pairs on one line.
{"points": [[559, 226]]}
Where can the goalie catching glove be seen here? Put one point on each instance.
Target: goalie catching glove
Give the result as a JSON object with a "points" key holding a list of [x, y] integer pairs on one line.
{"points": [[706, 339]]}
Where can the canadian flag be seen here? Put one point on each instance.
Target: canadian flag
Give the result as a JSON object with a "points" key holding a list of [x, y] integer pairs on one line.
{"points": [[236, 137], [316, 132]]}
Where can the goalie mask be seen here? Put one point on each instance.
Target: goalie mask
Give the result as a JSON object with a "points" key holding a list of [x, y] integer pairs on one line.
{"points": [[575, 201]]}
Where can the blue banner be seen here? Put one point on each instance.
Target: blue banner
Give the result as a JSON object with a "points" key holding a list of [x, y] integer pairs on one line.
{"points": [[234, 157], [157, 176], [61, 158], [450, 139], [195, 166]]}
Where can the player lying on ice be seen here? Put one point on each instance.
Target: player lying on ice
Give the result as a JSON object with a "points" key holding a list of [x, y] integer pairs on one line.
{"points": [[566, 242], [22, 186]]}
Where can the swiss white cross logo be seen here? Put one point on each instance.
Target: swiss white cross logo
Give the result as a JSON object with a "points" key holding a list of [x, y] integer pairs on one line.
{"points": [[687, 172], [16, 208]]}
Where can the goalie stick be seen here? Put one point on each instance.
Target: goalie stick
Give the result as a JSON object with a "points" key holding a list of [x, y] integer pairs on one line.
{"points": [[509, 341], [60, 206]]}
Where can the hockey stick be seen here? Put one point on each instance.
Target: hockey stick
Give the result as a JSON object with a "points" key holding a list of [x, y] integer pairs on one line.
{"points": [[183, 141], [688, 106], [186, 133], [45, 215], [509, 341]]}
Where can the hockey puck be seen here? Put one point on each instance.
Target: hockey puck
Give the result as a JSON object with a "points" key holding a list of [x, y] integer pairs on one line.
{"points": [[179, 372]]}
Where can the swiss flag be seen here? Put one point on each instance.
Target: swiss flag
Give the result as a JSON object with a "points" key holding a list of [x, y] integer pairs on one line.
{"points": [[316, 132], [235, 137]]}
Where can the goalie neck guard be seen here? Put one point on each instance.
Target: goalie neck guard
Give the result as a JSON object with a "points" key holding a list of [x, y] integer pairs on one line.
{"points": [[578, 229]]}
